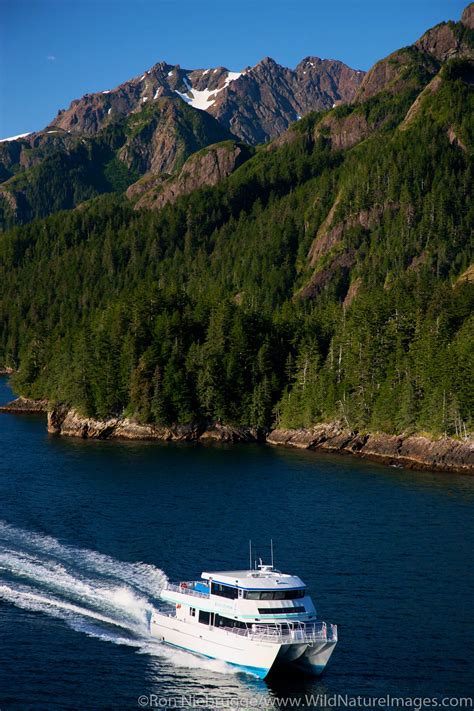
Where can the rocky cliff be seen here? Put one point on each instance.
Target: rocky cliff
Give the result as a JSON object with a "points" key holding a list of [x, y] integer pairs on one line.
{"points": [[409, 451], [206, 167], [255, 104], [56, 170], [24, 405], [151, 124], [67, 422], [422, 59]]}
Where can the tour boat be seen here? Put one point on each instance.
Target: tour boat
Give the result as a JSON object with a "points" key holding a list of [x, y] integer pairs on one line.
{"points": [[253, 619]]}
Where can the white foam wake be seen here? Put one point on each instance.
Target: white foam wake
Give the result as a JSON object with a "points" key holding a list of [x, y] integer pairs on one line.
{"points": [[89, 591], [142, 576]]}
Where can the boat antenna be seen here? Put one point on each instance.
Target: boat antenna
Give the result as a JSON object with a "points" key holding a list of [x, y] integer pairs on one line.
{"points": [[250, 553], [271, 548]]}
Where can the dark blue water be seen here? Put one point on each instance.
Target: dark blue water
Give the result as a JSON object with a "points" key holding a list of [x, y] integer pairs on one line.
{"points": [[86, 529]]}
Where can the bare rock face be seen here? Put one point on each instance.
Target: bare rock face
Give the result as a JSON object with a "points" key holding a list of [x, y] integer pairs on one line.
{"points": [[381, 75], [329, 244], [440, 41], [256, 104], [207, 167], [24, 405], [437, 45], [147, 183], [466, 276], [352, 292], [162, 136], [326, 239], [69, 423], [345, 132], [266, 98], [467, 18], [412, 452], [338, 268], [27, 151], [397, 71]]}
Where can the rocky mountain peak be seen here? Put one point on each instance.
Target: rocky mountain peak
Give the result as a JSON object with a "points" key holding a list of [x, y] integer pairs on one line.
{"points": [[256, 104], [467, 18], [424, 58], [267, 62]]}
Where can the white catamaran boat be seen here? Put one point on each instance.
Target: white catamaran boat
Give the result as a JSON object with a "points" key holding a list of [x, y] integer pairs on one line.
{"points": [[252, 619]]}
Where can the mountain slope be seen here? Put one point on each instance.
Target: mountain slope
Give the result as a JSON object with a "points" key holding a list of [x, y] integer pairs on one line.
{"points": [[255, 105], [323, 279], [60, 170], [151, 124]]}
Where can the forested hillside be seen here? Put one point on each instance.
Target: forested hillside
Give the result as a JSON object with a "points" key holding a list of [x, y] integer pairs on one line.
{"points": [[326, 278], [56, 170]]}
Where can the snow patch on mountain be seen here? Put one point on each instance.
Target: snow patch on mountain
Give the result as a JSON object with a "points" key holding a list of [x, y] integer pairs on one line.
{"points": [[205, 98], [15, 138], [199, 99]]}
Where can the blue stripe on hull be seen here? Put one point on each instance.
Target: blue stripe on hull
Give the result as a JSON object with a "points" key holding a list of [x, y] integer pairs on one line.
{"points": [[260, 672]]}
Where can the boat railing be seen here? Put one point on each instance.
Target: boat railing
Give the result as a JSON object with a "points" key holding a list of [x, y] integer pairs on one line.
{"points": [[302, 632], [186, 589]]}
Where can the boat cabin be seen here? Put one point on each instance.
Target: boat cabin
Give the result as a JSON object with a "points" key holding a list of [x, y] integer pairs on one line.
{"points": [[242, 599]]}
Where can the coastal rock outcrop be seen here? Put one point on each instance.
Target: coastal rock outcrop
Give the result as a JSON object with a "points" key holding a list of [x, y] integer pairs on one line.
{"points": [[68, 422], [408, 451], [24, 405]]}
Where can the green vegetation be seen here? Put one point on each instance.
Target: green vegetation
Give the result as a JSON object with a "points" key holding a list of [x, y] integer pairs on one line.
{"points": [[75, 169], [196, 312]]}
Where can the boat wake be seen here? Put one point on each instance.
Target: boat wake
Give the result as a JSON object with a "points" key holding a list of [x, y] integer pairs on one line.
{"points": [[91, 592]]}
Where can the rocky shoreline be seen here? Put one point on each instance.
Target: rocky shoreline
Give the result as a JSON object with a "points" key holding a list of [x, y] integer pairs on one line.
{"points": [[64, 421], [23, 405], [407, 451]]}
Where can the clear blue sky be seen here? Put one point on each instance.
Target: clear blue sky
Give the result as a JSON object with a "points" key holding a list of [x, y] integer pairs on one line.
{"points": [[52, 51]]}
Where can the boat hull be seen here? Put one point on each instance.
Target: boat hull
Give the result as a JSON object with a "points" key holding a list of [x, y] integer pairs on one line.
{"points": [[313, 659], [253, 657], [250, 655]]}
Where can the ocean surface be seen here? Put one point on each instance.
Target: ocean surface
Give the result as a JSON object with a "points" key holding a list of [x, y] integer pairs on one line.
{"points": [[89, 531]]}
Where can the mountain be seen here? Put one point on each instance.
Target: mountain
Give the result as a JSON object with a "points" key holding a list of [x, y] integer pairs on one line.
{"points": [[323, 276], [206, 167], [256, 104], [149, 126], [59, 170]]}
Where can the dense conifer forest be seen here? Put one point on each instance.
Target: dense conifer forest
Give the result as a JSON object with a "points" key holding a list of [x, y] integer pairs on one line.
{"points": [[315, 283]]}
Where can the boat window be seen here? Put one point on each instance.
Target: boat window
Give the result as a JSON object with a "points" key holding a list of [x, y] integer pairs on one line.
{"points": [[252, 594], [224, 591], [273, 594], [221, 621], [204, 617], [192, 611], [281, 610], [293, 594]]}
